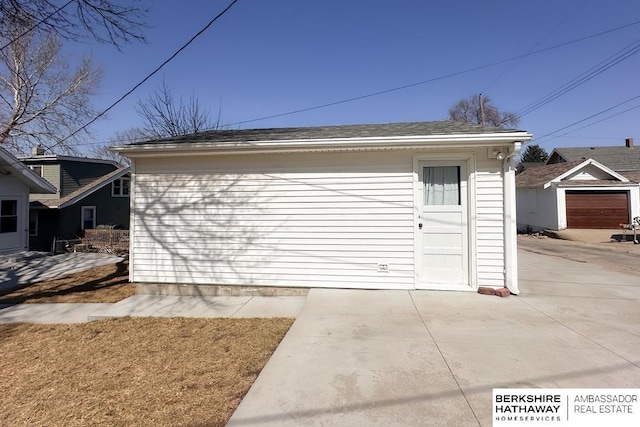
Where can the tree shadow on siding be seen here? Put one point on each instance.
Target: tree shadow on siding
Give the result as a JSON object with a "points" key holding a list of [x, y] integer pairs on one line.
{"points": [[188, 229]]}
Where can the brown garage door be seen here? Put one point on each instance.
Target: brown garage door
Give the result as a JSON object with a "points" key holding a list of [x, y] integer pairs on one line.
{"points": [[597, 209]]}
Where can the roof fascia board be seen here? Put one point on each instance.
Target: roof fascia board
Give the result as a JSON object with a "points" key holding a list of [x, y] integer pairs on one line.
{"points": [[582, 165], [69, 159], [92, 190], [627, 186], [26, 175], [332, 144]]}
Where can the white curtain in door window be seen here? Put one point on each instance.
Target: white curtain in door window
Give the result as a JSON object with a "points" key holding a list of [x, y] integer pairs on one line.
{"points": [[441, 185]]}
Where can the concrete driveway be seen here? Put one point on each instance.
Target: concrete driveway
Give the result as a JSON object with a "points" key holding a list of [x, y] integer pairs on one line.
{"points": [[433, 358]]}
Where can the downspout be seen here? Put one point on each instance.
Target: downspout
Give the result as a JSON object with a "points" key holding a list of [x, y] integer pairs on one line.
{"points": [[510, 222], [132, 219]]}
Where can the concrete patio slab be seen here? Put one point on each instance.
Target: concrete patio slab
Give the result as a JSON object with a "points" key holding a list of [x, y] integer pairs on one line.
{"points": [[357, 357], [338, 374]]}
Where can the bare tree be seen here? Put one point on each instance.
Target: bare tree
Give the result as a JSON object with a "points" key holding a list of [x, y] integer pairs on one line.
{"points": [[109, 21], [480, 110], [42, 99], [162, 116], [129, 136], [165, 116]]}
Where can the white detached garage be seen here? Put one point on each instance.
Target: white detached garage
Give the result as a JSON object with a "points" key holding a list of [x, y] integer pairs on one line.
{"points": [[428, 205]]}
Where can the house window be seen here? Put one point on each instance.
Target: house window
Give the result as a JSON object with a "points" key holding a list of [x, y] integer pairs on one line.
{"points": [[441, 185], [8, 216], [37, 169], [88, 217], [33, 223], [120, 187]]}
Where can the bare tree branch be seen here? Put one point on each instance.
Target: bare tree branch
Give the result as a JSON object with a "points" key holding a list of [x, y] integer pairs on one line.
{"points": [[165, 116], [123, 137], [43, 98], [468, 110], [109, 21]]}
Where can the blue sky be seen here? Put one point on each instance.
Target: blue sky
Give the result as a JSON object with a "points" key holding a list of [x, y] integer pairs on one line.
{"points": [[266, 58]]}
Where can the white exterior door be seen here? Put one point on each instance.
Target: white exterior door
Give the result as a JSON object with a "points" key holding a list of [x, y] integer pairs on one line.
{"points": [[442, 227]]}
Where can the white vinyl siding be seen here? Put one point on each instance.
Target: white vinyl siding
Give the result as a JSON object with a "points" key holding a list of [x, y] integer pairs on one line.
{"points": [[309, 220], [316, 220], [490, 223]]}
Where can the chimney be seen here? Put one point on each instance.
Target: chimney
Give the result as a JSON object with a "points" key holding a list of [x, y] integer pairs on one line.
{"points": [[628, 142], [38, 150]]}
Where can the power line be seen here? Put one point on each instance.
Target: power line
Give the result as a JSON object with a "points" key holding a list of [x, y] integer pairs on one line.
{"points": [[596, 122], [410, 85], [596, 137], [336, 102], [90, 122], [594, 71], [566, 18], [592, 116], [36, 25]]}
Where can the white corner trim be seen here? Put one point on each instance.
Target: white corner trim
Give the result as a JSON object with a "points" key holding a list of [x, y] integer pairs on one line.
{"points": [[510, 222]]}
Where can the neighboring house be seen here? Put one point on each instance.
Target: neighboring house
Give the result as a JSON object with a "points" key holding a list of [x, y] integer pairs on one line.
{"points": [[89, 192], [575, 194], [619, 158], [522, 166], [16, 181], [428, 205]]}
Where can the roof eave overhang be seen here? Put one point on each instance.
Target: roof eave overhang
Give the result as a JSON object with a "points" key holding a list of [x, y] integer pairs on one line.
{"points": [[323, 145], [616, 185]]}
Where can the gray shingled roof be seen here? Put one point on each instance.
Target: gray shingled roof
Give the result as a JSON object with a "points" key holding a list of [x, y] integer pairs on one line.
{"points": [[616, 158], [538, 176], [328, 132], [632, 176]]}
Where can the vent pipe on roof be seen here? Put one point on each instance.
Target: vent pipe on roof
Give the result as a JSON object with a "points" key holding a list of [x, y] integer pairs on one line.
{"points": [[628, 142]]}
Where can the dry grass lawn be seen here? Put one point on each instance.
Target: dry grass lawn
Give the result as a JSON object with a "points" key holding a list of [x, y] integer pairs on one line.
{"points": [[132, 371], [109, 283]]}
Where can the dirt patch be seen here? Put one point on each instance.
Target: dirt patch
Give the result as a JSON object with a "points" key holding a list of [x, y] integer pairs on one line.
{"points": [[109, 283], [132, 371]]}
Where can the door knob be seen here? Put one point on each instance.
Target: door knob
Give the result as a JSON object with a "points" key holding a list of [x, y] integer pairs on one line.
{"points": [[420, 226]]}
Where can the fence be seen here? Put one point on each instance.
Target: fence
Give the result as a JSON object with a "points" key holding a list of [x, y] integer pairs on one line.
{"points": [[106, 241]]}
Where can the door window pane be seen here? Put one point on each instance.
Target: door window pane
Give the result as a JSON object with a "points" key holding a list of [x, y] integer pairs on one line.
{"points": [[441, 185], [88, 217]]}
